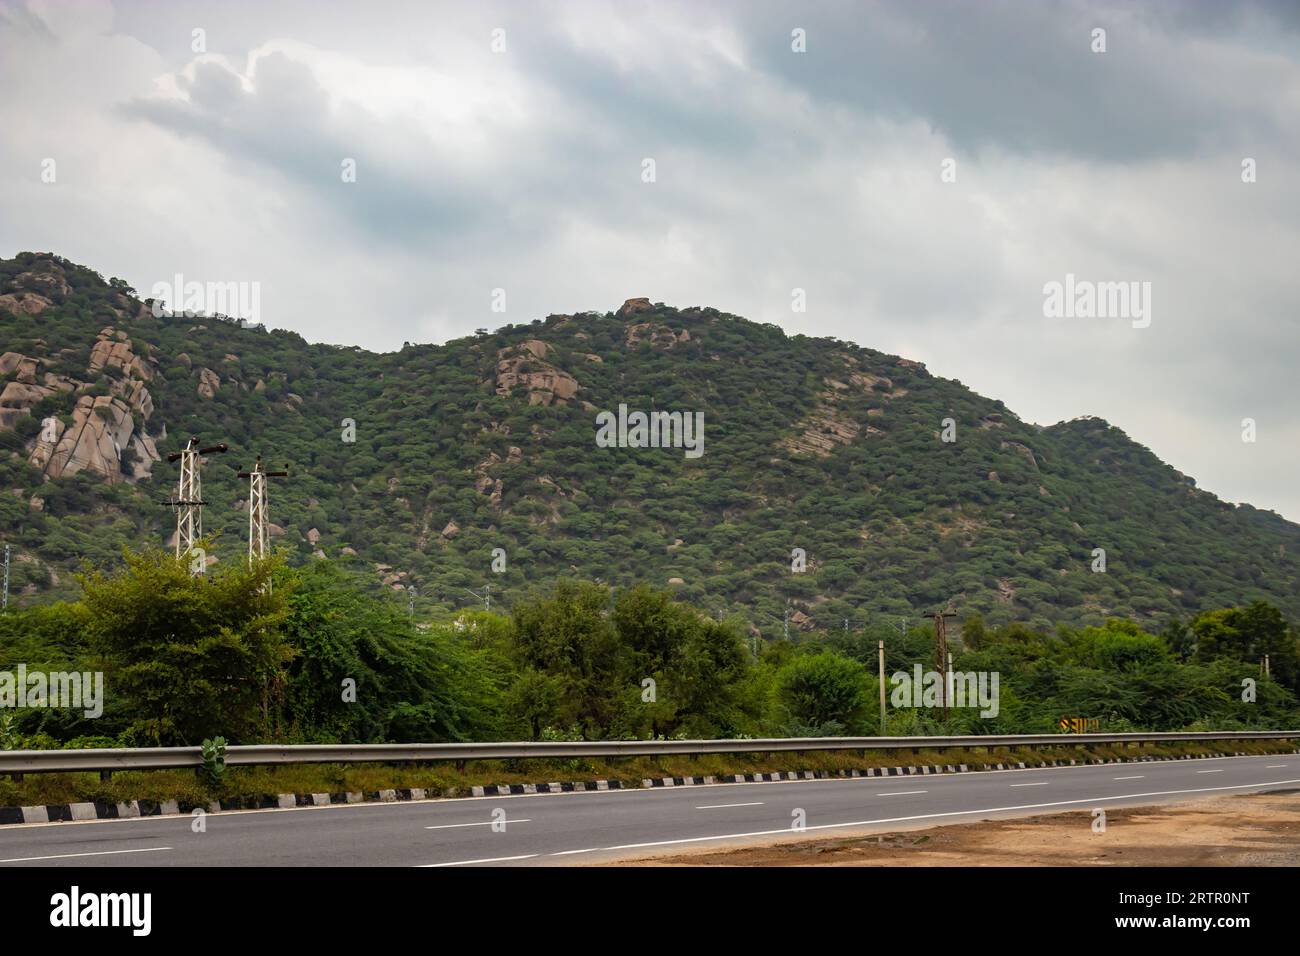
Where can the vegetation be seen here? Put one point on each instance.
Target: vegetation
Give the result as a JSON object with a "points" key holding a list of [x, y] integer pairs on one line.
{"points": [[810, 443], [269, 653]]}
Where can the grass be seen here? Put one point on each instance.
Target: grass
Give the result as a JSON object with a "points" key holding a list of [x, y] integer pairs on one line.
{"points": [[186, 787]]}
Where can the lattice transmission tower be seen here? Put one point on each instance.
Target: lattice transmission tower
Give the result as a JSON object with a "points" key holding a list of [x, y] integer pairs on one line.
{"points": [[189, 496], [258, 515]]}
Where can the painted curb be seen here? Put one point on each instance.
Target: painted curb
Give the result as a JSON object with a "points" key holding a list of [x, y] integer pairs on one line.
{"points": [[104, 810]]}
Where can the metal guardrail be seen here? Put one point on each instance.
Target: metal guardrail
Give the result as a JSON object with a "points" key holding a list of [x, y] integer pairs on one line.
{"points": [[161, 758]]}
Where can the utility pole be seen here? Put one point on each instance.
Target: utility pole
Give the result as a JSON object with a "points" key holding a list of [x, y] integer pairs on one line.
{"points": [[901, 624], [882, 688], [258, 517], [189, 496], [942, 658], [410, 595], [5, 606]]}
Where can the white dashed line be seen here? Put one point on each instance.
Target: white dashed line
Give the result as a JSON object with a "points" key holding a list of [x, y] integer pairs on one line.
{"points": [[1040, 783], [491, 859], [724, 806], [66, 856], [485, 823], [901, 793]]}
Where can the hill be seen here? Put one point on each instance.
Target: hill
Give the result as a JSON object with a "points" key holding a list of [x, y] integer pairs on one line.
{"points": [[418, 464]]}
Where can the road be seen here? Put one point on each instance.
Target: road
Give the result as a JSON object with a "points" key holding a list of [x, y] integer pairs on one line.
{"points": [[571, 828]]}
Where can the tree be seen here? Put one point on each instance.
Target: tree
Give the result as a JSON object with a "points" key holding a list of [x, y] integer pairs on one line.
{"points": [[196, 656], [823, 691]]}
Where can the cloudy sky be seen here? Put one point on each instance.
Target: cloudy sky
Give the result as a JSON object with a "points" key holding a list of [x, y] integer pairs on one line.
{"points": [[503, 146]]}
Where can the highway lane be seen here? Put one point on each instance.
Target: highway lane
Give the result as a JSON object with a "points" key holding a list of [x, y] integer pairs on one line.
{"points": [[558, 829]]}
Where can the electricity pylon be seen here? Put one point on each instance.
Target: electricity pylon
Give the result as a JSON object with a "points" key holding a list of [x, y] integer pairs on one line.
{"points": [[189, 497], [258, 519]]}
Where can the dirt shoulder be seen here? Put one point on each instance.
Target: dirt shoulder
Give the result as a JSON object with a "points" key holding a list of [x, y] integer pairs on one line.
{"points": [[1253, 830]]}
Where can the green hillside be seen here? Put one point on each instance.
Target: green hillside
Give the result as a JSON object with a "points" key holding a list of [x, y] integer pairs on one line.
{"points": [[489, 442]]}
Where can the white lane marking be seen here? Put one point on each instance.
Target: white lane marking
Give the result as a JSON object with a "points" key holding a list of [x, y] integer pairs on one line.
{"points": [[1209, 771], [66, 856], [900, 793], [485, 823], [1275, 766], [592, 849], [1040, 783], [949, 813], [954, 777], [1138, 777], [491, 859], [724, 806]]}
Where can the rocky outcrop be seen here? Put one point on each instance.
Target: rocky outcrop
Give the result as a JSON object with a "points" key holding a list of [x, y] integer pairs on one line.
{"points": [[209, 382], [633, 307], [24, 365], [34, 291], [113, 350], [101, 429], [102, 438], [526, 365], [24, 302], [652, 333], [829, 425]]}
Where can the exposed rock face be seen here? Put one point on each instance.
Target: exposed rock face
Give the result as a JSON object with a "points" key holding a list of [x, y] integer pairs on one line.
{"points": [[828, 425], [313, 536], [24, 365], [451, 530], [634, 306], [485, 483], [35, 291], [525, 365], [658, 336], [27, 302], [118, 354], [102, 427], [209, 382]]}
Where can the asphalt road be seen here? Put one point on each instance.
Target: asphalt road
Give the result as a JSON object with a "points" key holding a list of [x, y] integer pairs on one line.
{"points": [[571, 828]]}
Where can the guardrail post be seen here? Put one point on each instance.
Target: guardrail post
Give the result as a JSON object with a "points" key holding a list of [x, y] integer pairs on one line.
{"points": [[105, 775]]}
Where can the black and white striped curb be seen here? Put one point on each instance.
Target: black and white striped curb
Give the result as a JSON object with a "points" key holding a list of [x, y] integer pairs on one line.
{"points": [[514, 789], [910, 771], [105, 810]]}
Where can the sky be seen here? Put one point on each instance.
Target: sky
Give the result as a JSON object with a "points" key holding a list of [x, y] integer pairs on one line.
{"points": [[921, 172]]}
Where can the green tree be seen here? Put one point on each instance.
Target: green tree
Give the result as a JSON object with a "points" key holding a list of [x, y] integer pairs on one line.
{"points": [[196, 656]]}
